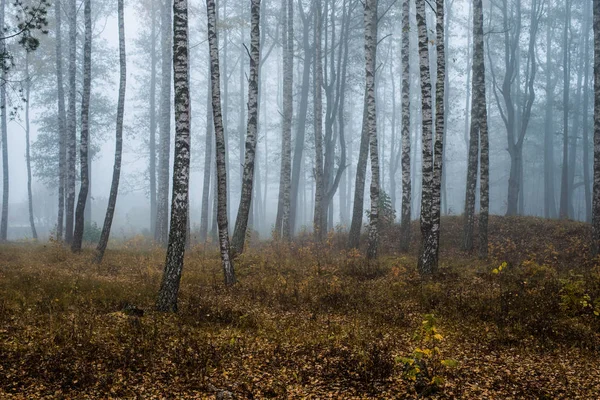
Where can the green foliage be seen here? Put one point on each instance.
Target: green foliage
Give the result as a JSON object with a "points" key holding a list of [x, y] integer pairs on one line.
{"points": [[425, 366], [574, 298]]}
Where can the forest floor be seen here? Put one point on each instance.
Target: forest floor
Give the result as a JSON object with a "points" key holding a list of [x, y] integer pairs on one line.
{"points": [[308, 321]]}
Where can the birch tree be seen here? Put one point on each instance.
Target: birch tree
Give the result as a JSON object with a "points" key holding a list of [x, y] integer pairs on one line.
{"points": [[215, 77], [85, 129], [370, 104], [169, 288], [241, 224], [114, 187], [318, 223], [5, 180], [405, 218], [425, 264]]}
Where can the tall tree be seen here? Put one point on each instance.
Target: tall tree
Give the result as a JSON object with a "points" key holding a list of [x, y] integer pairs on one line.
{"points": [[586, 141], [85, 129], [71, 123], [162, 211], [5, 181], [152, 115], [241, 224], [405, 218], [319, 211], [425, 264], [62, 132], [481, 119], [27, 146], [564, 187], [215, 77], [169, 288], [282, 224], [114, 187], [370, 104], [596, 200], [208, 151]]}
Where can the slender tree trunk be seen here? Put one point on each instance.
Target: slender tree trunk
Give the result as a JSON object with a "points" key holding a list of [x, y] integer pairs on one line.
{"points": [[71, 122], [239, 233], [549, 192], [425, 263], [431, 242], [62, 131], [370, 103], [169, 288], [162, 212], [481, 103], [282, 224], [226, 261], [208, 150], [564, 189], [320, 205], [114, 188], [586, 139], [85, 129], [152, 115], [472, 163], [596, 201], [301, 125], [27, 152], [405, 216], [5, 181]]}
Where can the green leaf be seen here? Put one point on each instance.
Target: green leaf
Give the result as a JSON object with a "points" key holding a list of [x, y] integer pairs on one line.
{"points": [[450, 363]]}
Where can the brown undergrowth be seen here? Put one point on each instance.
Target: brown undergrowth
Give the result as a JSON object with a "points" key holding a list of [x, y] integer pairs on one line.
{"points": [[307, 320]]}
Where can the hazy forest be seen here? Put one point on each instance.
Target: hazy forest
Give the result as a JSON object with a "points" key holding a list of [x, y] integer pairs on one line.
{"points": [[350, 199]]}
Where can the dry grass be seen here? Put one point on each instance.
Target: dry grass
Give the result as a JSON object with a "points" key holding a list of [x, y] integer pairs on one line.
{"points": [[305, 320]]}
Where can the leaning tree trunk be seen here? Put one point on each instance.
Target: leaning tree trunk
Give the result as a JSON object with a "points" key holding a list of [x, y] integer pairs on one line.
{"points": [[162, 212], [319, 228], [114, 187], [405, 218], [27, 152], [169, 288], [71, 122], [481, 104], [215, 78], [85, 129], [370, 62], [596, 200], [241, 223], [425, 263], [62, 133]]}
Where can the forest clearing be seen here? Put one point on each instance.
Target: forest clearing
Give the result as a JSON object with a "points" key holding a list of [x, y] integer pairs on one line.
{"points": [[307, 320]]}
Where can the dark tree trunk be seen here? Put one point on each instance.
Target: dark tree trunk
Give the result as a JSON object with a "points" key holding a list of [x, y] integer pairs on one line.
{"points": [[596, 201], [114, 188], [169, 288], [62, 131], [586, 139], [564, 187], [85, 129], [71, 122]]}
